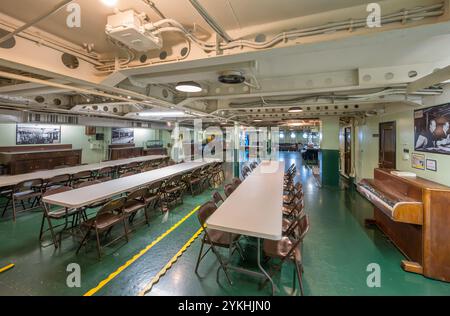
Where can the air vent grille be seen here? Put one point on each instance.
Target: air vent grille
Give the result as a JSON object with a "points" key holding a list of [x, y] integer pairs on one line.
{"points": [[51, 118]]}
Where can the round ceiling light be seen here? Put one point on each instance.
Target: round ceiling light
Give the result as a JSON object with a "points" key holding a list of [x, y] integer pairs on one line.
{"points": [[295, 110], [109, 3], [188, 86]]}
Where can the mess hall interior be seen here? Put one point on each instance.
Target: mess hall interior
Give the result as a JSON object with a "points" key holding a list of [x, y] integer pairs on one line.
{"points": [[224, 148]]}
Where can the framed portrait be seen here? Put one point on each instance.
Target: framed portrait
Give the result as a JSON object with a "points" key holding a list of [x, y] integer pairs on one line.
{"points": [[37, 134], [432, 129], [122, 135], [418, 161], [432, 165]]}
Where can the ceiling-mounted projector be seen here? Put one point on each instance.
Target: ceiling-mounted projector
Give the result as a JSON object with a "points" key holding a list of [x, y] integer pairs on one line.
{"points": [[131, 30]]}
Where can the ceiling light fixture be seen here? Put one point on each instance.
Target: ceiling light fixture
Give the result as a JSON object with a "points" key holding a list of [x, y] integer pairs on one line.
{"points": [[257, 120], [295, 110], [188, 86], [162, 114], [109, 3]]}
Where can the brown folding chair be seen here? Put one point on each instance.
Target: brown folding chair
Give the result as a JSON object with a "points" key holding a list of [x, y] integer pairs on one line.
{"points": [[229, 189], [56, 182], [236, 182], [81, 176], [217, 198], [153, 195], [128, 174], [107, 217], [26, 191], [56, 214], [135, 202], [289, 249], [246, 172], [173, 189], [194, 181], [105, 174], [215, 239]]}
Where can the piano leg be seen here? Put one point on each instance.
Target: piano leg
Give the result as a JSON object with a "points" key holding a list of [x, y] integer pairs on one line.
{"points": [[412, 267], [370, 223]]}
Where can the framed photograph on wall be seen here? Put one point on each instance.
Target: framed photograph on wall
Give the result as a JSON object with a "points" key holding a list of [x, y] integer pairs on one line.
{"points": [[122, 135], [432, 129], [418, 161], [432, 165], [37, 134]]}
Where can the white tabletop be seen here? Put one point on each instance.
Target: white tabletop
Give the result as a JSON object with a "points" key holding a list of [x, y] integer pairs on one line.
{"points": [[255, 207], [98, 192], [47, 174]]}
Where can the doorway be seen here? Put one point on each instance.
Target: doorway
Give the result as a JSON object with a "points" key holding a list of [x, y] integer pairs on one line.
{"points": [[388, 145], [348, 151]]}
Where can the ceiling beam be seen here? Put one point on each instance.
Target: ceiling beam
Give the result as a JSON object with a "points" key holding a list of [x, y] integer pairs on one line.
{"points": [[437, 77]]}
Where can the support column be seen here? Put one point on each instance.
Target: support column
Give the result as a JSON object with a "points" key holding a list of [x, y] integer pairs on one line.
{"points": [[330, 151], [236, 148]]}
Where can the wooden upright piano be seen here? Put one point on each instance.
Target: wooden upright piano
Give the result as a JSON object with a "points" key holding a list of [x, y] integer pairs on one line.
{"points": [[415, 214]]}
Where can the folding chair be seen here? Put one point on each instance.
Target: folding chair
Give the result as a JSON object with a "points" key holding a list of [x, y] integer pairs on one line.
{"points": [[107, 217], [26, 191], [217, 198], [56, 214], [215, 239], [135, 202], [288, 249]]}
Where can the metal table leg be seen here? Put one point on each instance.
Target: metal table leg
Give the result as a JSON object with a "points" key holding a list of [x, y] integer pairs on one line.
{"points": [[258, 255]]}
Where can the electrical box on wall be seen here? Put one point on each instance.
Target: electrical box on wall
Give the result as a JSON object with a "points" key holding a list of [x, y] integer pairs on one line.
{"points": [[96, 146]]}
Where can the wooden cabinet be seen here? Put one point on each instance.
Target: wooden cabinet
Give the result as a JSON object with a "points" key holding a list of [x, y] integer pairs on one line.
{"points": [[25, 159], [126, 151]]}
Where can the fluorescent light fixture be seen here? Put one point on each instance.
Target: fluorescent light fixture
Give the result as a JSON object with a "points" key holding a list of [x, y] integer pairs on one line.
{"points": [[295, 110], [188, 86], [257, 120], [162, 114], [109, 3]]}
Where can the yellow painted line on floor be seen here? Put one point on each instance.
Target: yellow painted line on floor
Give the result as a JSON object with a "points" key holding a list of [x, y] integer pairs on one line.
{"points": [[6, 268], [174, 259], [140, 254]]}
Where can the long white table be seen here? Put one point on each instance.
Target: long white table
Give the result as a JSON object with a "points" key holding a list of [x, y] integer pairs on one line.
{"points": [[254, 209], [6, 181], [99, 192]]}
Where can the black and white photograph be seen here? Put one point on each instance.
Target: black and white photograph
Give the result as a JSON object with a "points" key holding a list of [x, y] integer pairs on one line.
{"points": [[29, 134], [432, 129], [122, 135]]}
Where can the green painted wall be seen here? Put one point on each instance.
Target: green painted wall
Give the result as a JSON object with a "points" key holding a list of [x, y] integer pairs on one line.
{"points": [[368, 146], [75, 135]]}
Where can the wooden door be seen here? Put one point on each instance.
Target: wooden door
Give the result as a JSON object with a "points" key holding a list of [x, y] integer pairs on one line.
{"points": [[388, 145], [348, 150]]}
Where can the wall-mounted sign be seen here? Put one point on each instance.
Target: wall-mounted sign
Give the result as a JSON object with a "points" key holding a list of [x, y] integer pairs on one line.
{"points": [[431, 165], [418, 161]]}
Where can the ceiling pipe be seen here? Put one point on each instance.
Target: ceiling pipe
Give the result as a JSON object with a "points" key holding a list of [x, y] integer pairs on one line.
{"points": [[54, 9], [210, 20]]}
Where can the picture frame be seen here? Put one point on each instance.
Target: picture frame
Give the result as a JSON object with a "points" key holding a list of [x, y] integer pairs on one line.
{"points": [[37, 134], [432, 129], [418, 161], [431, 165]]}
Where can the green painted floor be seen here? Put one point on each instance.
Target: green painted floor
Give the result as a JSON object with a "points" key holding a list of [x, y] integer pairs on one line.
{"points": [[337, 251]]}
